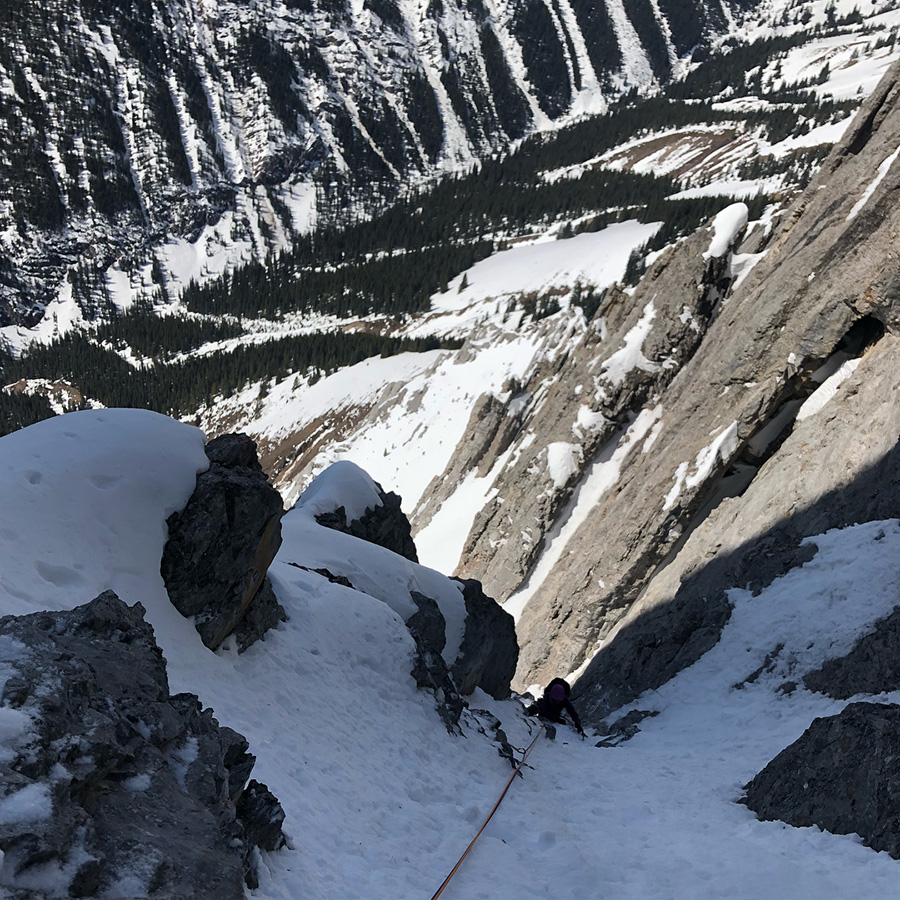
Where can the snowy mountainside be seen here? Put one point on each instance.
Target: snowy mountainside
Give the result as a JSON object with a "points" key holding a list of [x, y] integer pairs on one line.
{"points": [[669, 159], [629, 528], [152, 142]]}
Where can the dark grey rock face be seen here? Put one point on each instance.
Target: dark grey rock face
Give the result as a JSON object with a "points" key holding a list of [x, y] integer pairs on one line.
{"points": [[841, 775], [234, 451], [667, 640], [489, 650], [486, 659], [649, 649], [427, 624], [264, 612], [262, 816], [385, 525], [430, 671], [871, 667], [127, 783], [221, 545]]}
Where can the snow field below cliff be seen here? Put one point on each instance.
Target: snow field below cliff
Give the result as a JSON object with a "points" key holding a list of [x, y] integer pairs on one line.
{"points": [[380, 800], [415, 435], [426, 402], [542, 265], [657, 817]]}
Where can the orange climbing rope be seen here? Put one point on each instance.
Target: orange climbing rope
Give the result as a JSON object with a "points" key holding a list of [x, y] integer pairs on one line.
{"points": [[440, 890]]}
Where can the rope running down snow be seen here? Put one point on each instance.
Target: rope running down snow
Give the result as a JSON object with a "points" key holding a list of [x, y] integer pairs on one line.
{"points": [[440, 890]]}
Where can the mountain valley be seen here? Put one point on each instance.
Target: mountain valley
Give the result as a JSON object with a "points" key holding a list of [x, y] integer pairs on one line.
{"points": [[606, 293]]}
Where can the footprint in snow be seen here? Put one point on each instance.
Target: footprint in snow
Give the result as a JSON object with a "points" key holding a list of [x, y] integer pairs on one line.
{"points": [[61, 576], [546, 840], [104, 482]]}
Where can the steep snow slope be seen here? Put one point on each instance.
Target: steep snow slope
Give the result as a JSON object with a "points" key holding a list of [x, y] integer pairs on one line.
{"points": [[380, 800]]}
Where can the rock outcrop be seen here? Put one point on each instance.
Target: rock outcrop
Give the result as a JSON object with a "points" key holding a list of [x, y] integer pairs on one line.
{"points": [[430, 670], [110, 780], [384, 524], [869, 668], [221, 545], [489, 650], [486, 658], [840, 775]]}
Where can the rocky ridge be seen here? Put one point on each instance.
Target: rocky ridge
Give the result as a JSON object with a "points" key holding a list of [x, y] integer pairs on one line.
{"points": [[822, 298], [488, 651], [384, 524], [111, 780], [123, 782]]}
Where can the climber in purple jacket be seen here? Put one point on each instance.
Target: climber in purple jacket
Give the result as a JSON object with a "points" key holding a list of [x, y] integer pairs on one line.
{"points": [[554, 702]]}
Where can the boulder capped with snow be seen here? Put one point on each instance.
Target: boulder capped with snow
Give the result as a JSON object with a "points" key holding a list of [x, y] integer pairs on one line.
{"points": [[221, 545], [364, 508], [108, 783], [450, 617]]}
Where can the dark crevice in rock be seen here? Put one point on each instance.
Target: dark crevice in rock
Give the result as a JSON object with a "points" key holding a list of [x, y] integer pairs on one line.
{"points": [[772, 432], [325, 573]]}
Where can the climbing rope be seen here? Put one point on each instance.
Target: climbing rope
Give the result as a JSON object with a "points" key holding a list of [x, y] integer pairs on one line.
{"points": [[440, 890]]}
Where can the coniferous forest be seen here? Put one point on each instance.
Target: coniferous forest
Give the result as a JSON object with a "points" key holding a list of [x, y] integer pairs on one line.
{"points": [[181, 387]]}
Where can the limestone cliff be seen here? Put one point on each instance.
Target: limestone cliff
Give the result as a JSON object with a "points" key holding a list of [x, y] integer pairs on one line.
{"points": [[706, 408]]}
